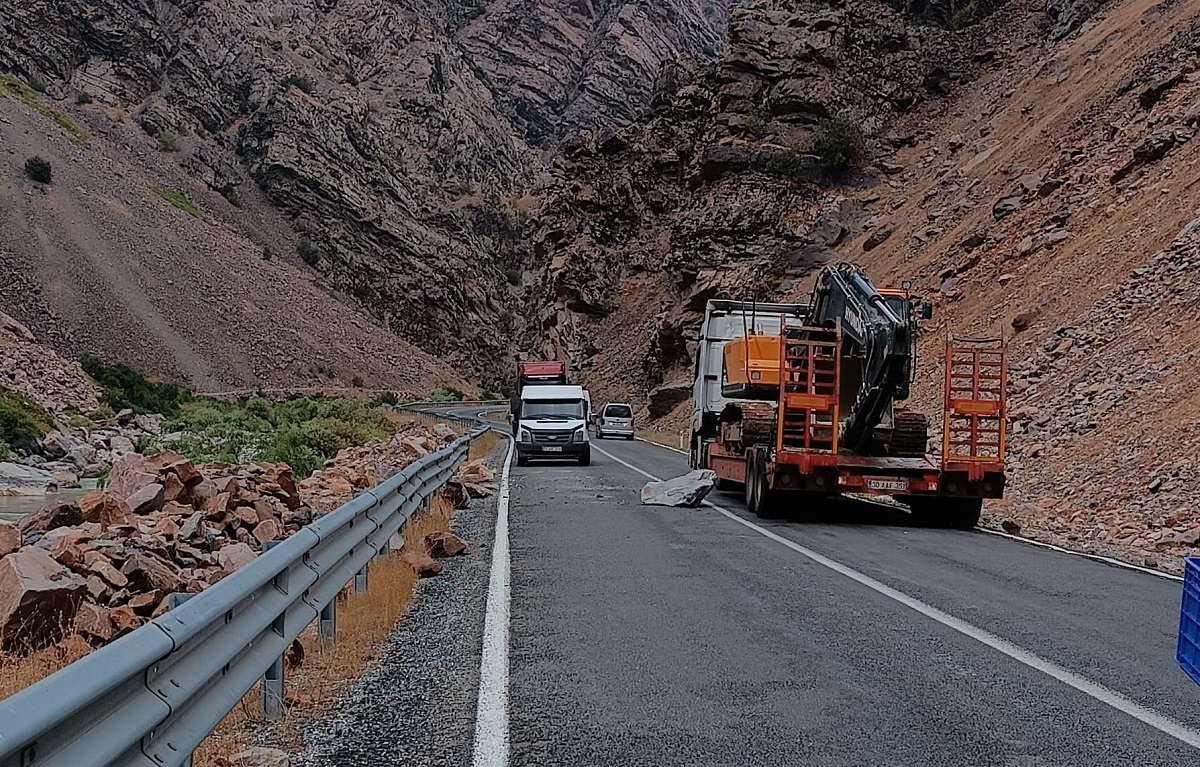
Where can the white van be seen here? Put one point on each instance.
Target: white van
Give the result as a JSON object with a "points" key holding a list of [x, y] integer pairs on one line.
{"points": [[552, 423]]}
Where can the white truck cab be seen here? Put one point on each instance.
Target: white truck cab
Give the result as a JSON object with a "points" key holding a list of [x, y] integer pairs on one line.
{"points": [[552, 423]]}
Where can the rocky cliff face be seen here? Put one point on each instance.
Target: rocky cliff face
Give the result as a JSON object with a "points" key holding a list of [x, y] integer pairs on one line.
{"points": [[716, 195], [398, 138]]}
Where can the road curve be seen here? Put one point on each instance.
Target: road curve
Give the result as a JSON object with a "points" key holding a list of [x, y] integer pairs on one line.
{"points": [[659, 636]]}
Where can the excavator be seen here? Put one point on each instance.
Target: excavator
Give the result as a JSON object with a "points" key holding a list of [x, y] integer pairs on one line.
{"points": [[807, 400]]}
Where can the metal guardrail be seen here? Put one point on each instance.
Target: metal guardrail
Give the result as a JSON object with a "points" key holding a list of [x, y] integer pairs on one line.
{"points": [[151, 697]]}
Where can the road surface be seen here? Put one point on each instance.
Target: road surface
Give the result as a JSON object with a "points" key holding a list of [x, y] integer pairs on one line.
{"points": [[660, 636]]}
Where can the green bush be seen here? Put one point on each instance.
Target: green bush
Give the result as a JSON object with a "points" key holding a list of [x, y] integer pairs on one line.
{"points": [[168, 142], [267, 253], [38, 169], [839, 144], [964, 17], [302, 432], [230, 193], [5, 450], [446, 395], [22, 421], [357, 382], [386, 398], [300, 81], [124, 387], [177, 199], [309, 253], [83, 97], [513, 276]]}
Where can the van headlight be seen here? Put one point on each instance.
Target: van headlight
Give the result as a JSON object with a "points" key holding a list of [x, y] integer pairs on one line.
{"points": [[580, 435], [524, 436]]}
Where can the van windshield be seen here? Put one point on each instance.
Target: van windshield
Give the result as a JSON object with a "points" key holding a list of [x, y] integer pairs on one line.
{"points": [[618, 411], [552, 408]]}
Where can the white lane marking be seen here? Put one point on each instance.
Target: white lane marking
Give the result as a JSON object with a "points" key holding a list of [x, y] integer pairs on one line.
{"points": [[491, 713], [659, 444], [1084, 554], [998, 533], [1121, 703]]}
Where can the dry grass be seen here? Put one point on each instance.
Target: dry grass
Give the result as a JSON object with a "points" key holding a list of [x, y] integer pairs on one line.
{"points": [[364, 621], [482, 446], [677, 440], [20, 671]]}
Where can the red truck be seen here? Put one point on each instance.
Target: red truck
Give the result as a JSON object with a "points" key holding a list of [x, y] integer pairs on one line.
{"points": [[536, 373]]}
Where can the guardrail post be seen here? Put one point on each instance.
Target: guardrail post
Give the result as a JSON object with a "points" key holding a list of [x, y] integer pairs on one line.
{"points": [[327, 625], [174, 601], [360, 580], [270, 698]]}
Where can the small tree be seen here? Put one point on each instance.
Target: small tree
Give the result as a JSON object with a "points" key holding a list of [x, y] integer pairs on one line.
{"points": [[38, 169], [308, 252], [839, 144]]}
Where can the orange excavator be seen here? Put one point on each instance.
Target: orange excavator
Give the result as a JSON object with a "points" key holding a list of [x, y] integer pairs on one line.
{"points": [[804, 398]]}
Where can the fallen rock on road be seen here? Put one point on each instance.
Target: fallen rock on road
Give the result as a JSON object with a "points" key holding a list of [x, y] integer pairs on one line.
{"points": [[688, 490]]}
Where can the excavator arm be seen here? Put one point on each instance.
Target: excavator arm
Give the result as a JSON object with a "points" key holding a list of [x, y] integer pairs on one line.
{"points": [[877, 330]]}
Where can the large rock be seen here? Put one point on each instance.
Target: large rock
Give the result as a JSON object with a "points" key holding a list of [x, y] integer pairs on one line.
{"points": [[149, 573], [38, 600], [235, 556], [16, 479], [129, 474], [260, 757], [10, 539], [445, 544], [106, 509], [664, 399], [688, 490], [53, 515]]}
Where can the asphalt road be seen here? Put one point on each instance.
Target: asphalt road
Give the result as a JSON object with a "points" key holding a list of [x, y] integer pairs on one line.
{"points": [[659, 636]]}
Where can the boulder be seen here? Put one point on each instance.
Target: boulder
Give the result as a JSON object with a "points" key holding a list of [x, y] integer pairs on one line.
{"points": [[687, 490], [281, 474], [235, 556], [129, 474], [94, 622], [38, 600], [144, 604], [10, 539], [445, 544], [444, 432], [103, 568], [267, 530], [147, 499], [52, 516], [125, 416], [121, 445], [124, 620], [16, 479], [106, 509], [423, 564], [190, 526], [147, 572]]}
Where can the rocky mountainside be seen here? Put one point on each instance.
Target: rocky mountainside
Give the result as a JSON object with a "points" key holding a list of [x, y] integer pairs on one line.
{"points": [[716, 195], [1032, 173], [394, 143]]}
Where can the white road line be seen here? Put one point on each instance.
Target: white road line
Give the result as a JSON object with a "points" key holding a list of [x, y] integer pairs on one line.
{"points": [[659, 444], [1084, 554], [1121, 703], [491, 714]]}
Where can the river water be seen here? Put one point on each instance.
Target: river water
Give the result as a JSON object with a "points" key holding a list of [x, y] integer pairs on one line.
{"points": [[14, 507]]}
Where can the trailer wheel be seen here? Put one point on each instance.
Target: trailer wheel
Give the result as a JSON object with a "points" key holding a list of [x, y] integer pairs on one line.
{"points": [[953, 513], [964, 514], [751, 487], [766, 502]]}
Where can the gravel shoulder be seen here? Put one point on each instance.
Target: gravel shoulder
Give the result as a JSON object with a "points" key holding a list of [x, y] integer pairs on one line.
{"points": [[416, 703]]}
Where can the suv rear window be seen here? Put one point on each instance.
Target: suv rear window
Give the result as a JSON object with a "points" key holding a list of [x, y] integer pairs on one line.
{"points": [[618, 411]]}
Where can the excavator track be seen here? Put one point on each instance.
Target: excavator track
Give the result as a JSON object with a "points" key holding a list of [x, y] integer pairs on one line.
{"points": [[910, 434]]}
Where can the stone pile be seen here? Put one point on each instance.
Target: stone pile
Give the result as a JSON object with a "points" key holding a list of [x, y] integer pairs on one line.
{"points": [[104, 564]]}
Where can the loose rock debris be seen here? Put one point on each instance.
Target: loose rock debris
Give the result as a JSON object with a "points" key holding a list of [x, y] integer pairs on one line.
{"points": [[688, 490]]}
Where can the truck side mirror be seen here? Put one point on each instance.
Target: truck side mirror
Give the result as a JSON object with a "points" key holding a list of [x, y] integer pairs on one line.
{"points": [[926, 310]]}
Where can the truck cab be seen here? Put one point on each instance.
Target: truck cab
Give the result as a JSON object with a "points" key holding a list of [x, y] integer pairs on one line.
{"points": [[551, 422]]}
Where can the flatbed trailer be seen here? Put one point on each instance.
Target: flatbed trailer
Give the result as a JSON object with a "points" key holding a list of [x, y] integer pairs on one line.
{"points": [[805, 462]]}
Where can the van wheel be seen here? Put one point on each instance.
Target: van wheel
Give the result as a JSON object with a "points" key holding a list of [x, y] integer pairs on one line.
{"points": [[522, 460], [586, 459], [629, 438]]}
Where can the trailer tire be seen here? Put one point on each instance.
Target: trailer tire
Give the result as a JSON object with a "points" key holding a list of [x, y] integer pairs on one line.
{"points": [[964, 514], [764, 502], [751, 487], [952, 513]]}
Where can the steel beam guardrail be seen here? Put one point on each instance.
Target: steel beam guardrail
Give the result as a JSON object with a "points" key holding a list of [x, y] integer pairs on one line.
{"points": [[151, 697]]}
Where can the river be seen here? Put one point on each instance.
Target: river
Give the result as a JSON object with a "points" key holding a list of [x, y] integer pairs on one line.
{"points": [[14, 507]]}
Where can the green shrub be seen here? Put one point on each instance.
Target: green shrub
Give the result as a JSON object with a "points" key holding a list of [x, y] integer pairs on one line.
{"points": [[300, 81], [839, 144], [177, 199], [446, 395], [83, 97], [5, 450], [790, 164], [357, 382], [79, 421], [267, 253], [309, 253], [123, 387], [168, 142], [964, 16], [230, 193], [22, 421], [38, 169], [260, 408], [29, 97], [386, 398], [513, 276]]}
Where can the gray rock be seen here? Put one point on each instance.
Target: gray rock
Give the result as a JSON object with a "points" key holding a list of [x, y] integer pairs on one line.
{"points": [[125, 417], [259, 756], [121, 445], [687, 490], [16, 479]]}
